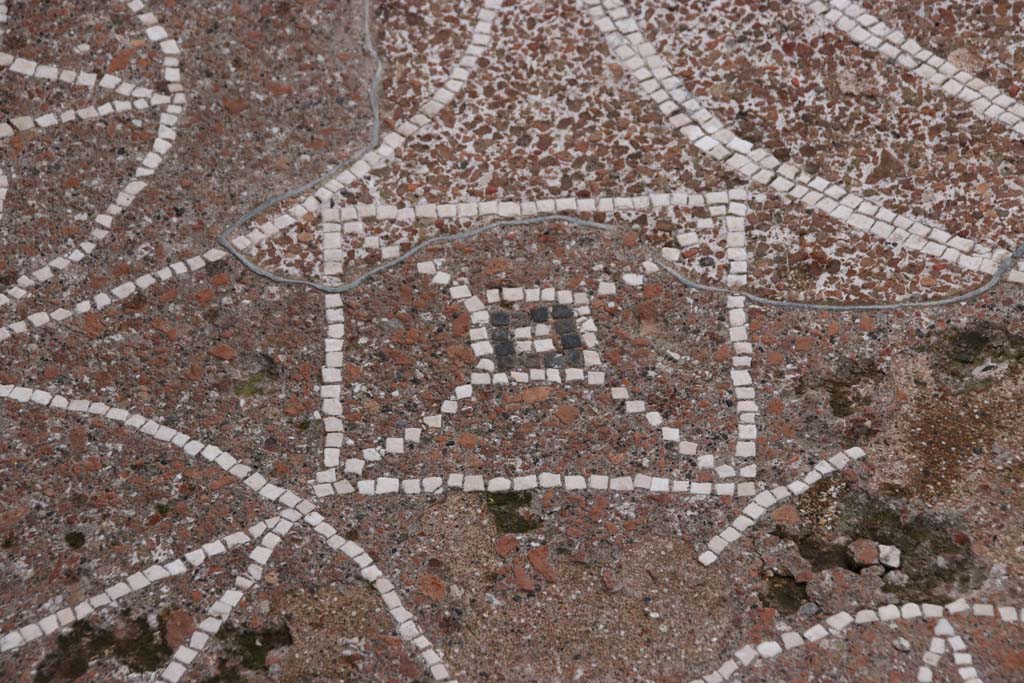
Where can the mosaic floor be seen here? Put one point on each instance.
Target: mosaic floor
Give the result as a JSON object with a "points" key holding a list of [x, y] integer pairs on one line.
{"points": [[512, 341]]}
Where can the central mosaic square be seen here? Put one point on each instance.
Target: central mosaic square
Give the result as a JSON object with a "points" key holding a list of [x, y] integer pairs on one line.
{"points": [[539, 337]]}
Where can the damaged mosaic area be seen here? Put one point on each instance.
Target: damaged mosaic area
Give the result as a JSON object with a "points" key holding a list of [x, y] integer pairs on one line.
{"points": [[481, 340]]}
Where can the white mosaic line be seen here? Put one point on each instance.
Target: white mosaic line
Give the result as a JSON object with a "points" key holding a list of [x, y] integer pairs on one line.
{"points": [[140, 423], [172, 105], [739, 341], [70, 77], [936, 648], [946, 639], [405, 624], [837, 625], [731, 209], [382, 155], [736, 245], [134, 583], [331, 409], [220, 611], [769, 498], [475, 208], [471, 483], [23, 124], [734, 215], [684, 111], [347, 222], [865, 29], [116, 294], [331, 240], [743, 390]]}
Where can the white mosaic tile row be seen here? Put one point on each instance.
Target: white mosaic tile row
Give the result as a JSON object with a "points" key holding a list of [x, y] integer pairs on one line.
{"points": [[767, 499], [246, 474], [739, 340], [707, 132], [85, 79], [735, 221], [731, 209], [334, 343], [736, 245], [553, 205], [945, 640], [405, 624], [391, 142], [331, 378], [114, 295], [347, 228], [743, 385], [332, 244], [839, 624], [866, 30], [171, 102], [134, 583], [220, 611], [545, 480], [20, 124]]}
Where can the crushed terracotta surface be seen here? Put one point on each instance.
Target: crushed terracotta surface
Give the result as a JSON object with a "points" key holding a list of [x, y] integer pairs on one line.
{"points": [[579, 340]]}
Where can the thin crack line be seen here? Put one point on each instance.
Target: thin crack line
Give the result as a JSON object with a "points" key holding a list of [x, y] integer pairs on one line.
{"points": [[441, 239], [1001, 271], [374, 142], [371, 47]]}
